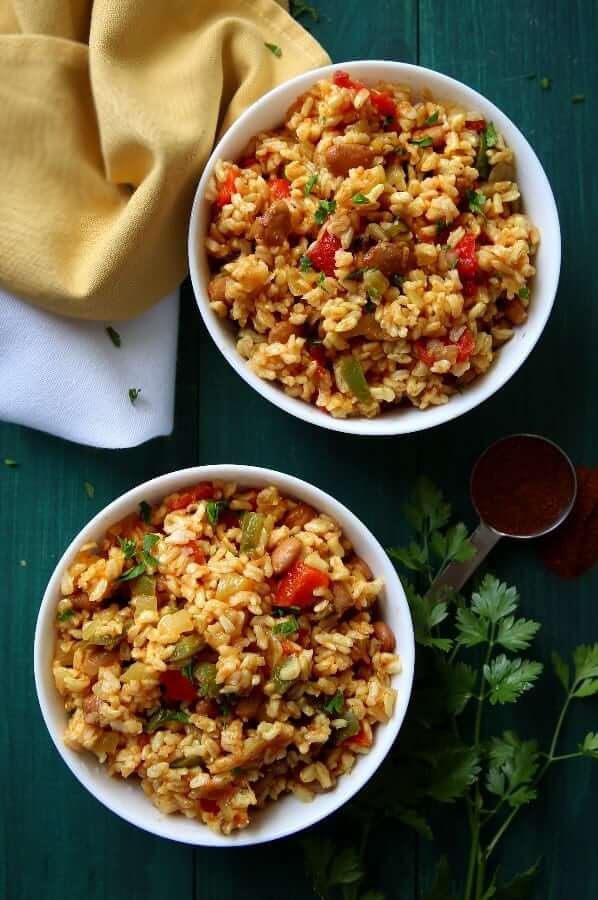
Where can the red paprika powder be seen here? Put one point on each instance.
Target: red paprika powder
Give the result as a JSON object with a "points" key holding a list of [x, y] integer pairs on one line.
{"points": [[522, 485], [573, 548]]}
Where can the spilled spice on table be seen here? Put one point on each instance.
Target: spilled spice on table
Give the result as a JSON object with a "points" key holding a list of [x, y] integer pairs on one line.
{"points": [[573, 548]]}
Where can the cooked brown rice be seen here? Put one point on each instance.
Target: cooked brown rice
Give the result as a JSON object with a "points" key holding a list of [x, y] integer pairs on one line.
{"points": [[342, 248], [190, 677]]}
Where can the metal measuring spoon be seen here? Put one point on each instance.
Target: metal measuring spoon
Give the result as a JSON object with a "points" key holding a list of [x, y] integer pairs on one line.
{"points": [[491, 529]]}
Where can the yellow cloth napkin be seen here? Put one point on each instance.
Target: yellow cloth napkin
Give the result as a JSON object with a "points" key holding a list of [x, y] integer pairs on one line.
{"points": [[109, 110]]}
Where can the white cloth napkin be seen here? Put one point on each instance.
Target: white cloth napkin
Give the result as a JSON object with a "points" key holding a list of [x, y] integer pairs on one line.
{"points": [[66, 377]]}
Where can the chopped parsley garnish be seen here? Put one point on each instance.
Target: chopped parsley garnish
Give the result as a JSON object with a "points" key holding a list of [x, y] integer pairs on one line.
{"points": [[523, 293], [163, 715], [187, 671], [145, 511], [388, 120], [491, 135], [280, 611], [290, 626], [89, 489], [113, 335], [369, 307], [422, 142], [66, 615], [305, 264], [578, 98], [134, 394], [214, 509], [311, 183], [299, 8], [336, 704], [398, 280], [149, 541], [11, 463], [273, 48], [360, 199], [325, 209], [356, 275], [441, 225], [545, 83], [431, 120], [128, 547], [373, 293], [321, 279], [476, 202], [225, 709], [137, 570]]}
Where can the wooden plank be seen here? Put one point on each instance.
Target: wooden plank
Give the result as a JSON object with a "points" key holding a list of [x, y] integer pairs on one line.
{"points": [[55, 837], [492, 48], [236, 425]]}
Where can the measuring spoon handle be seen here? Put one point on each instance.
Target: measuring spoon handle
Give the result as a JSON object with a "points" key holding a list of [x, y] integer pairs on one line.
{"points": [[457, 573]]}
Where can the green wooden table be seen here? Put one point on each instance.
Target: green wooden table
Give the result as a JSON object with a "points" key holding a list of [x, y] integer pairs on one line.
{"points": [[57, 841]]}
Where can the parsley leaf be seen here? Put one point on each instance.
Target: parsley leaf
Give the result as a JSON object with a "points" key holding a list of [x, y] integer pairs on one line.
{"points": [[440, 889], [145, 511], [345, 867], [513, 765], [356, 275], [441, 226], [471, 629], [508, 679], [289, 626], [476, 201], [422, 142], [456, 767], [214, 509], [523, 293], [113, 335], [305, 264], [427, 510], [317, 856], [516, 634], [589, 747], [325, 209], [336, 704], [163, 715], [398, 280], [494, 600], [128, 547], [491, 135], [311, 183], [279, 612], [585, 659], [135, 572], [360, 199], [134, 394], [273, 48], [387, 120], [89, 489], [519, 888], [66, 615], [432, 119]]}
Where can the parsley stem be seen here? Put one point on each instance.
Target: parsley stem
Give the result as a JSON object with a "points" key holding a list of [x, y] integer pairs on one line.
{"points": [[566, 756]]}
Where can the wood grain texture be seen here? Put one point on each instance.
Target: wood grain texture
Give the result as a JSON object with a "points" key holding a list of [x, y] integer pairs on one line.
{"points": [[55, 839]]}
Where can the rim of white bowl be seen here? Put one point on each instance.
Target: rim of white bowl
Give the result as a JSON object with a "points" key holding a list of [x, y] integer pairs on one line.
{"points": [[403, 420], [177, 827]]}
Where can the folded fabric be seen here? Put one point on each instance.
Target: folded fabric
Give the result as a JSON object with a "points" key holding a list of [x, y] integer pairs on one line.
{"points": [[67, 377], [109, 112]]}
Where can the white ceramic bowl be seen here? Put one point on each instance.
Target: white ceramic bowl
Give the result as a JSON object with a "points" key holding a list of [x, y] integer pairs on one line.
{"points": [[267, 113], [287, 815]]}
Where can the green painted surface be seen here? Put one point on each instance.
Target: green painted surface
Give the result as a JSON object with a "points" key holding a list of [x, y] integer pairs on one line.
{"points": [[57, 841]]}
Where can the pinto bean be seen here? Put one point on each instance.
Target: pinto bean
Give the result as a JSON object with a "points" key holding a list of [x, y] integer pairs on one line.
{"points": [[248, 707], [82, 601], [436, 132], [515, 311], [388, 257], [299, 516], [385, 636], [97, 659], [363, 671], [276, 223], [282, 331], [342, 157], [206, 708], [285, 554], [217, 288]]}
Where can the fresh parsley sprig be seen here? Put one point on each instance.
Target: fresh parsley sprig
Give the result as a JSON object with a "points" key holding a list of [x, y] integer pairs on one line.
{"points": [[143, 556]]}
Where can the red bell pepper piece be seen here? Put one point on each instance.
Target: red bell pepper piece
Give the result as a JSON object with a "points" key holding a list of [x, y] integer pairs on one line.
{"points": [[465, 346], [317, 353], [247, 163], [280, 188], [421, 350], [227, 189], [201, 491], [467, 263], [178, 689], [361, 738], [384, 103], [322, 255], [209, 806], [478, 125], [298, 585], [343, 79], [288, 647]]}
